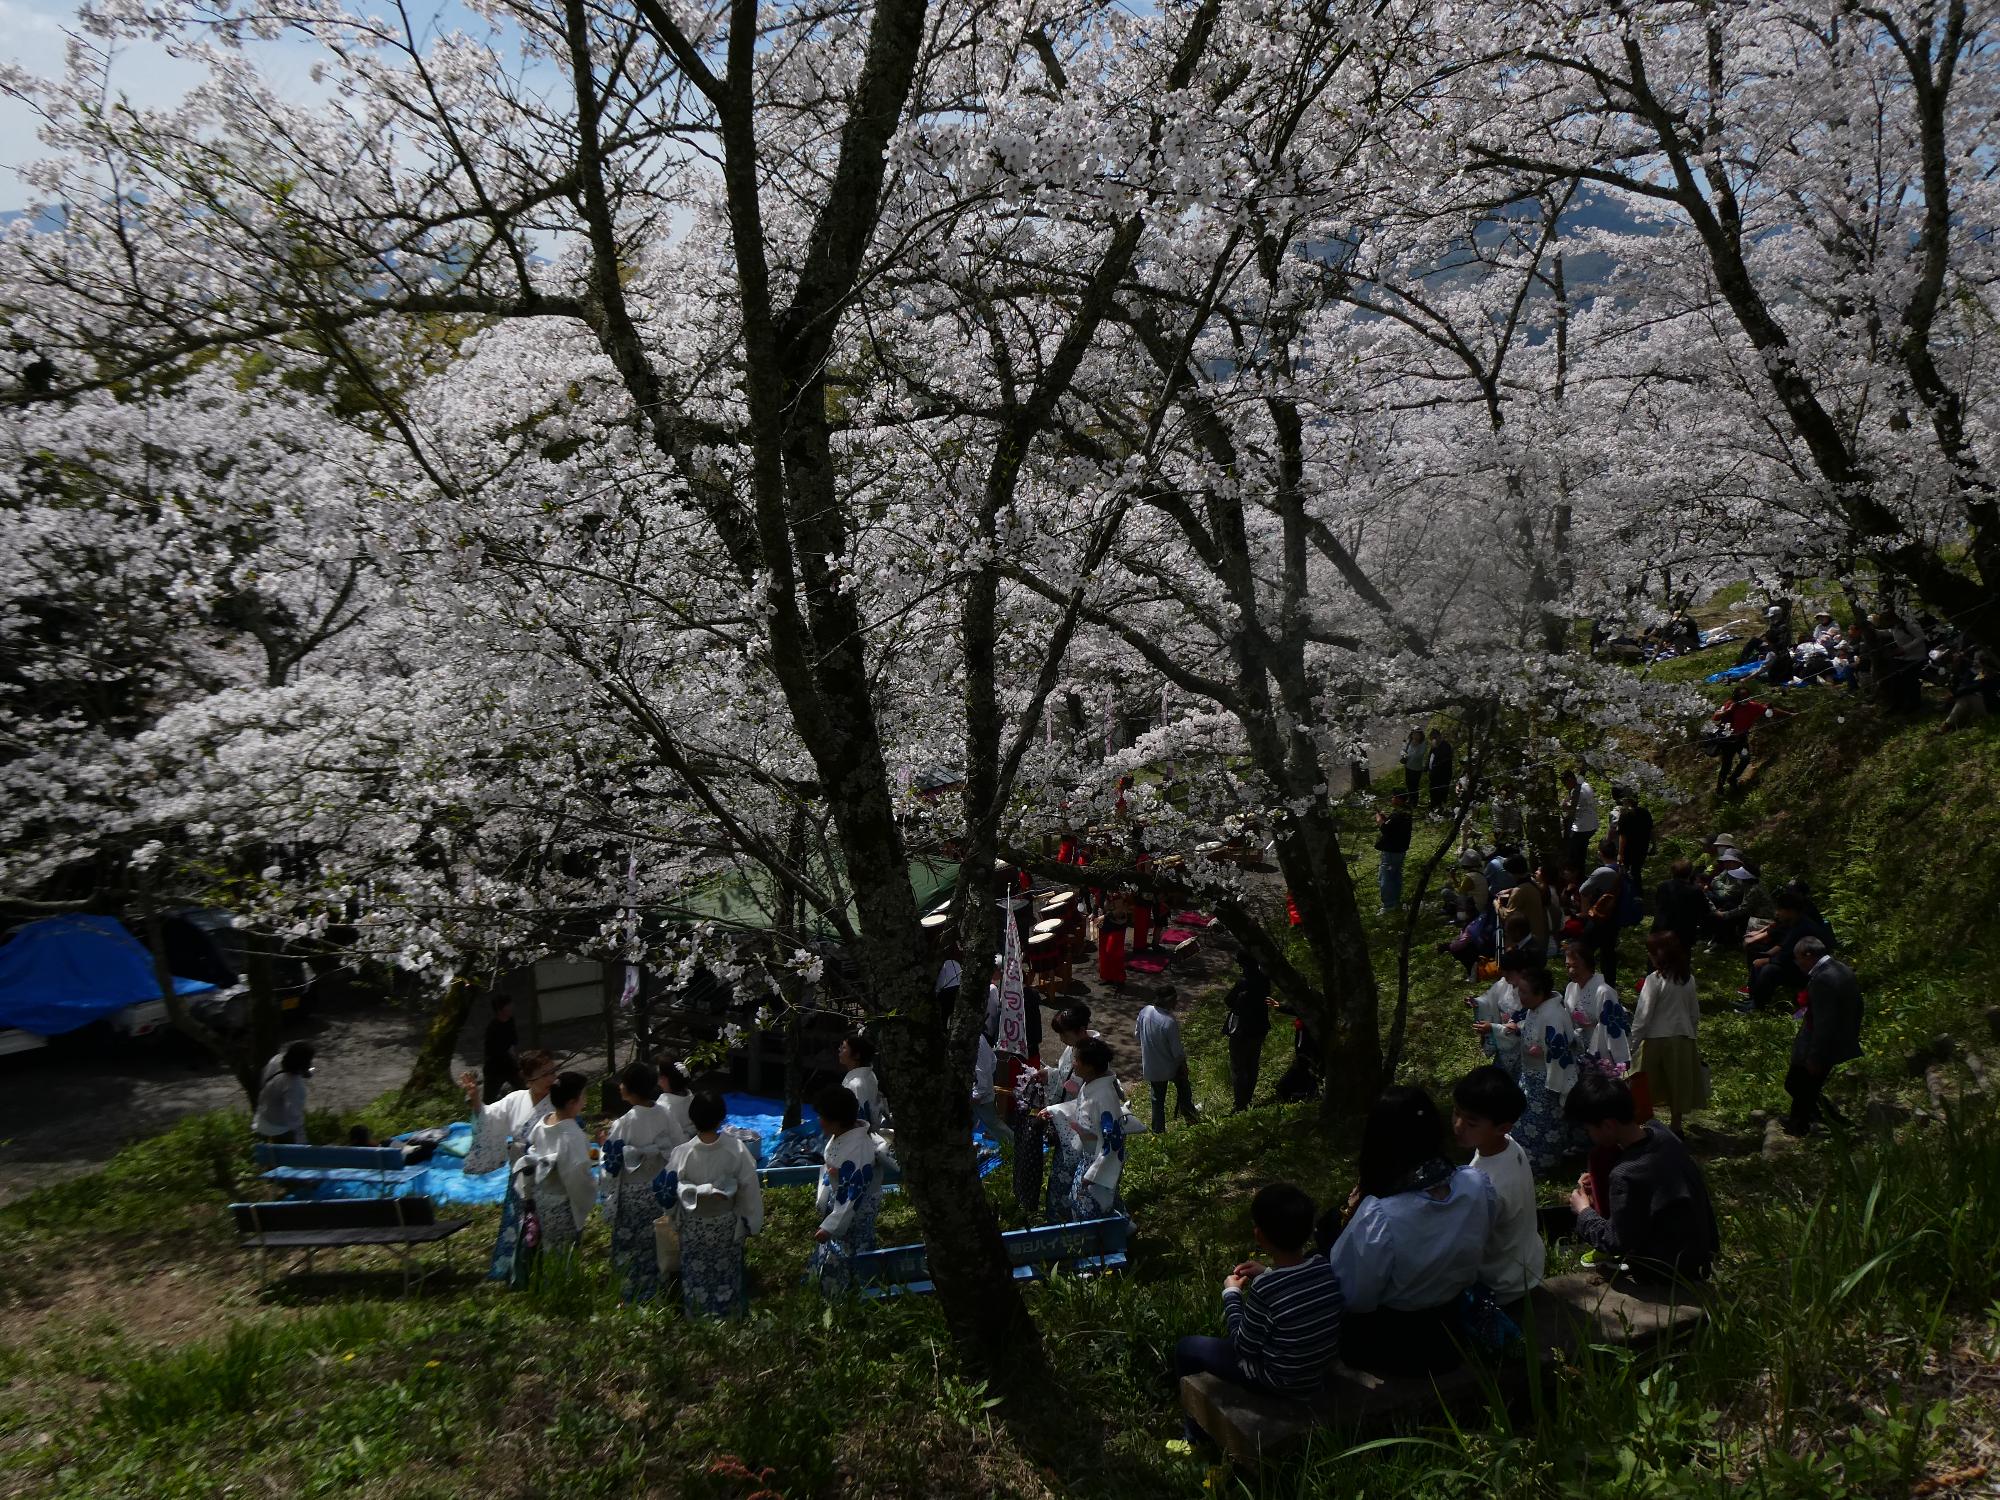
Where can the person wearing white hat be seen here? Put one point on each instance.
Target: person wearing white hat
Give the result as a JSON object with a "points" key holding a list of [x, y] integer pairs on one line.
{"points": [[1739, 896]]}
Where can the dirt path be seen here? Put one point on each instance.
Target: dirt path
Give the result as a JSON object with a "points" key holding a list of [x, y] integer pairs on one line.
{"points": [[1114, 1009], [73, 1105]]}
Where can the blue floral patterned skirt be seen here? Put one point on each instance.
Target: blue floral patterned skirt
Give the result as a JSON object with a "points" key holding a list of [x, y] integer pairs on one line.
{"points": [[1064, 1167], [508, 1245], [558, 1235], [829, 1263], [712, 1270], [635, 1254], [1542, 1131]]}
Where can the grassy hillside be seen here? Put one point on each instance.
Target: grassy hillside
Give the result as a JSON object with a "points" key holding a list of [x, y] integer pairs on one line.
{"points": [[1853, 1350]]}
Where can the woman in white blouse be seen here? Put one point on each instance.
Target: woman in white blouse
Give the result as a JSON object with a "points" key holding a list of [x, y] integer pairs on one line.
{"points": [[1664, 1028]]}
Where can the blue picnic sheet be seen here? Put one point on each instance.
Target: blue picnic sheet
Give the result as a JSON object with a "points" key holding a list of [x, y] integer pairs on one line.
{"points": [[1736, 674], [444, 1179]]}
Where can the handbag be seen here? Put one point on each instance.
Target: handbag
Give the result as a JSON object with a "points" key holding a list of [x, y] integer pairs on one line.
{"points": [[667, 1245]]}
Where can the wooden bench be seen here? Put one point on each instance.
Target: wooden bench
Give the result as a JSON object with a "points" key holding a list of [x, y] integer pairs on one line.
{"points": [[1083, 1248], [302, 1168], [339, 1224], [807, 1175], [1562, 1315]]}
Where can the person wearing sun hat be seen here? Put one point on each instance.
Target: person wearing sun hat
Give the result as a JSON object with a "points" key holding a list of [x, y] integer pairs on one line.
{"points": [[1738, 895]]}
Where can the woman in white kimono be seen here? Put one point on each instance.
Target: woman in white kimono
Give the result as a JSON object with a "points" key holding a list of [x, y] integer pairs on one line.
{"points": [[1097, 1124], [1493, 1010], [553, 1178], [499, 1136], [1060, 1085], [1603, 1028], [1548, 1069], [636, 1149], [850, 1190], [1587, 999], [676, 1096], [857, 1056], [717, 1205]]}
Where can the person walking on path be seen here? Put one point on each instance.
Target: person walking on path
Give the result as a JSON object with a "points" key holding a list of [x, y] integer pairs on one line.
{"points": [[1738, 717], [500, 1068], [1163, 1059], [1634, 832]]}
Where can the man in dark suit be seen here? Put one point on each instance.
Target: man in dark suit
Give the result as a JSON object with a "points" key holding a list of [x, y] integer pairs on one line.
{"points": [[1829, 1034]]}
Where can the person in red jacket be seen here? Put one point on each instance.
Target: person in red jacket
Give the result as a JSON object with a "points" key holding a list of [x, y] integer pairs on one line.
{"points": [[1738, 717]]}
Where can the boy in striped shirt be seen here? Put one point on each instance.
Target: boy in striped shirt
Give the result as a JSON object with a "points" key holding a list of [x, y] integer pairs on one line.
{"points": [[1282, 1318]]}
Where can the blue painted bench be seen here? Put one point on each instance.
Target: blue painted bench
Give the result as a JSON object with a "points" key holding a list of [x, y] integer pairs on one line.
{"points": [[1083, 1248], [808, 1175], [303, 1167]]}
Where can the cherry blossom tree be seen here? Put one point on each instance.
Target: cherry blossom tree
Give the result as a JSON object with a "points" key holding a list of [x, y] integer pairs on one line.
{"points": [[631, 342], [1821, 176]]}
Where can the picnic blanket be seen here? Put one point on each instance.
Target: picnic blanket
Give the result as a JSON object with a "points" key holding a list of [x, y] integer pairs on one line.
{"points": [[759, 1122], [1736, 674]]}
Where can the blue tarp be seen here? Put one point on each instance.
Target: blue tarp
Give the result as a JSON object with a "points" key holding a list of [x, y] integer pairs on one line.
{"points": [[1736, 674], [64, 972], [447, 1182], [444, 1178]]}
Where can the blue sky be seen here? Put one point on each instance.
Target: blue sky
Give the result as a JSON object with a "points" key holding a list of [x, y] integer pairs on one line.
{"points": [[33, 36]]}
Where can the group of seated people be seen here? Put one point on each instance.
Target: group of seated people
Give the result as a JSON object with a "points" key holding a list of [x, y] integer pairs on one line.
{"points": [[1890, 653], [1728, 903], [1431, 1260]]}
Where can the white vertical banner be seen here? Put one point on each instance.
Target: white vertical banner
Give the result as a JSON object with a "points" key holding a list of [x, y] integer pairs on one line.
{"points": [[630, 992], [1048, 721], [1013, 989], [1107, 721], [1163, 705]]}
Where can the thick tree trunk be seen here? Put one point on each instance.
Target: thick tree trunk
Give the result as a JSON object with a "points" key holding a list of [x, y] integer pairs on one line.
{"points": [[1310, 857], [927, 1067], [430, 1072]]}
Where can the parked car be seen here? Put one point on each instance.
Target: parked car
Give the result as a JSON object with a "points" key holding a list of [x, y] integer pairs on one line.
{"points": [[63, 974], [205, 943], [13, 1039]]}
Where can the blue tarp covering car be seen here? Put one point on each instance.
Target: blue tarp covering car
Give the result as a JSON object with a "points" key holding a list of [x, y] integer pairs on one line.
{"points": [[60, 973]]}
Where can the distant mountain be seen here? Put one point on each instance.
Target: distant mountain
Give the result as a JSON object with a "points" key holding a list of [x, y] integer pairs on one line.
{"points": [[41, 220]]}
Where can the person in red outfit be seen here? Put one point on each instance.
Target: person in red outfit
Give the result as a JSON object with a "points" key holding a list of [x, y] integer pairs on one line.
{"points": [[1738, 717], [1111, 938]]}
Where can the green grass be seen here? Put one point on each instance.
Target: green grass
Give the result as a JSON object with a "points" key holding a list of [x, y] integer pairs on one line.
{"points": [[1856, 1306]]}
